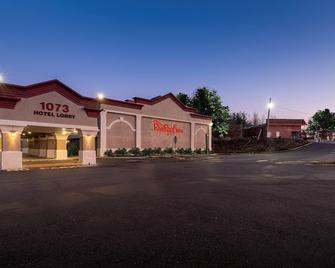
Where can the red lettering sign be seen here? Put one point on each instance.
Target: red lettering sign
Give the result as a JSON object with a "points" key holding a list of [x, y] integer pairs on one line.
{"points": [[55, 107], [160, 127]]}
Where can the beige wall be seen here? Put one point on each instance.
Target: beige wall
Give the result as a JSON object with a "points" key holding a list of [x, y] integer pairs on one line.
{"points": [[24, 111], [11, 142], [87, 143], [200, 132], [121, 135], [163, 139], [121, 131]]}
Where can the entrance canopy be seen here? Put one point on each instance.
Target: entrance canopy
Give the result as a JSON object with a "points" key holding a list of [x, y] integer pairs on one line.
{"points": [[47, 112]]}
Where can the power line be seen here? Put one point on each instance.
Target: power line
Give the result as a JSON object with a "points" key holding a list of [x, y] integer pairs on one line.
{"points": [[292, 110]]}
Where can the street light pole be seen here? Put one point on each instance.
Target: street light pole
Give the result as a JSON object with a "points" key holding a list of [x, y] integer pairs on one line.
{"points": [[270, 105]]}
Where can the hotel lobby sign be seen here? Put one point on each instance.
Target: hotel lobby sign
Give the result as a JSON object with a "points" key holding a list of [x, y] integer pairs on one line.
{"points": [[160, 127], [51, 109]]}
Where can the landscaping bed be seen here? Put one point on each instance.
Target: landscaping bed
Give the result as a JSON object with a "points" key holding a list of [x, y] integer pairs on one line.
{"points": [[136, 152]]}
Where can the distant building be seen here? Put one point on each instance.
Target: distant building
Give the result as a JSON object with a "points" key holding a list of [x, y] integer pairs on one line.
{"points": [[278, 128], [325, 135]]}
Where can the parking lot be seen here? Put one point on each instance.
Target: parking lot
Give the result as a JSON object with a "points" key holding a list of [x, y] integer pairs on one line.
{"points": [[238, 210]]}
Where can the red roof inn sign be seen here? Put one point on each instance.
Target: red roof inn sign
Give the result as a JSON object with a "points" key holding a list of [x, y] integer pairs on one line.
{"points": [[160, 127], [54, 110]]}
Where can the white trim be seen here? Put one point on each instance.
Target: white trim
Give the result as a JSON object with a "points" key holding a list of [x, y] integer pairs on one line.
{"points": [[155, 117], [121, 120], [87, 157], [10, 160], [192, 135], [103, 133], [40, 124], [210, 137], [139, 131]]}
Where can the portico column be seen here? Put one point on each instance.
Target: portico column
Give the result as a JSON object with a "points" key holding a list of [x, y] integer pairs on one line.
{"points": [[51, 147], [36, 146], [61, 150], [192, 135], [87, 152], [42, 152], [139, 131], [10, 154], [103, 133]]}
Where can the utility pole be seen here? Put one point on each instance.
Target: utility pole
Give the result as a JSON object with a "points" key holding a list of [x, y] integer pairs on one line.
{"points": [[270, 106]]}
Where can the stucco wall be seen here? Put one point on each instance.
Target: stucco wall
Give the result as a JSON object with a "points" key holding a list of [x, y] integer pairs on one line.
{"points": [[200, 132], [120, 131], [155, 138]]}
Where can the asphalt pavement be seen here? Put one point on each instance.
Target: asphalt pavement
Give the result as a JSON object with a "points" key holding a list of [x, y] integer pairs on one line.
{"points": [[262, 210]]}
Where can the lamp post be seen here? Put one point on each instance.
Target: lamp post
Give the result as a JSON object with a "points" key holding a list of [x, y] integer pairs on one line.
{"points": [[270, 106]]}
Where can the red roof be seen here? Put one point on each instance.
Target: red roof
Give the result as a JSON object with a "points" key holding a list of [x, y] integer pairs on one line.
{"points": [[10, 94], [164, 97], [300, 122]]}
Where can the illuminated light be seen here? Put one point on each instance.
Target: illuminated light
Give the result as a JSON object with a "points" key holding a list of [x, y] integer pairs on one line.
{"points": [[12, 133], [2, 78], [23, 134], [75, 131], [29, 132], [270, 105], [100, 96], [211, 124], [64, 133]]}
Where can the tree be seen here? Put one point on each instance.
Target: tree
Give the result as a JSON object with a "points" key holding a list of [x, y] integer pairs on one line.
{"points": [[322, 121], [237, 122], [184, 98], [208, 102]]}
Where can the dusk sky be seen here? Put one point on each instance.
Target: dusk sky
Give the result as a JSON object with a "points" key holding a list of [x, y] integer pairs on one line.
{"points": [[247, 50]]}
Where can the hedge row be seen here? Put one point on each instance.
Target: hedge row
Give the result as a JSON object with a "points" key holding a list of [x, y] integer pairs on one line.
{"points": [[122, 152]]}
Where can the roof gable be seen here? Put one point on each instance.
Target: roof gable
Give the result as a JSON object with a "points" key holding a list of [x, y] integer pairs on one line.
{"points": [[159, 99], [15, 91]]}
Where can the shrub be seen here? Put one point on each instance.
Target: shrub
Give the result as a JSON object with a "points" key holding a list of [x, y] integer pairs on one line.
{"points": [[109, 153], [147, 151], [188, 151], [205, 151], [134, 151], [180, 151], [198, 151], [121, 152], [168, 150], [157, 150]]}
